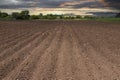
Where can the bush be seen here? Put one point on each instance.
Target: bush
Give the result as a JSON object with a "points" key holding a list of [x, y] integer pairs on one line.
{"points": [[118, 15], [3, 14], [25, 15], [34, 17]]}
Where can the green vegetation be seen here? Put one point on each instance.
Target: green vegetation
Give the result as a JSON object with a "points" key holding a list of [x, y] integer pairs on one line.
{"points": [[109, 19], [104, 19], [4, 15], [118, 15], [25, 15]]}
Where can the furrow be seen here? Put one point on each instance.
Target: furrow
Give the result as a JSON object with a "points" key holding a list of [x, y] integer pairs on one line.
{"points": [[10, 51], [46, 68], [14, 61], [26, 68], [12, 37], [102, 68], [14, 42]]}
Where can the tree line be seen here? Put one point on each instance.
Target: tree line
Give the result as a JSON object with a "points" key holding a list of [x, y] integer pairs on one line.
{"points": [[25, 15]]}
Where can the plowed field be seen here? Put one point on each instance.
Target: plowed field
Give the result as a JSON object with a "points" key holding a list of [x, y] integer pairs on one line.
{"points": [[59, 50]]}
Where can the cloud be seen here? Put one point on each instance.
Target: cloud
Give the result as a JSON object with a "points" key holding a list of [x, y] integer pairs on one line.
{"points": [[14, 4], [85, 3], [112, 3], [70, 3], [30, 3], [46, 3]]}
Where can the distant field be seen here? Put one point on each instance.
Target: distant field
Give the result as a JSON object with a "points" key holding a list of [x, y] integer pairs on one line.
{"points": [[109, 19], [59, 50]]}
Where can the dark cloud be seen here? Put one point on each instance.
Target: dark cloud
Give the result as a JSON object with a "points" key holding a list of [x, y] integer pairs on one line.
{"points": [[112, 3], [30, 3], [14, 6], [92, 4], [50, 4], [57, 3]]}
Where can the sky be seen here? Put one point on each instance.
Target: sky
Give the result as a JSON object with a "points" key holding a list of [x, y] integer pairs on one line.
{"points": [[79, 7]]}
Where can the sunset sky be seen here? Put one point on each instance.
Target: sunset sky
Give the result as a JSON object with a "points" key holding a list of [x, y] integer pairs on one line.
{"points": [[82, 7]]}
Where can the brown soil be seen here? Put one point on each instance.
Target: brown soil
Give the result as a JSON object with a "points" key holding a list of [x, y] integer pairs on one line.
{"points": [[59, 50]]}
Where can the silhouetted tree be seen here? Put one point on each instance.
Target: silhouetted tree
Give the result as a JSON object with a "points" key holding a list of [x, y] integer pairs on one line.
{"points": [[78, 17], [40, 16], [25, 14], [16, 15], [0, 13], [3, 14], [118, 15], [34, 17], [61, 16]]}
